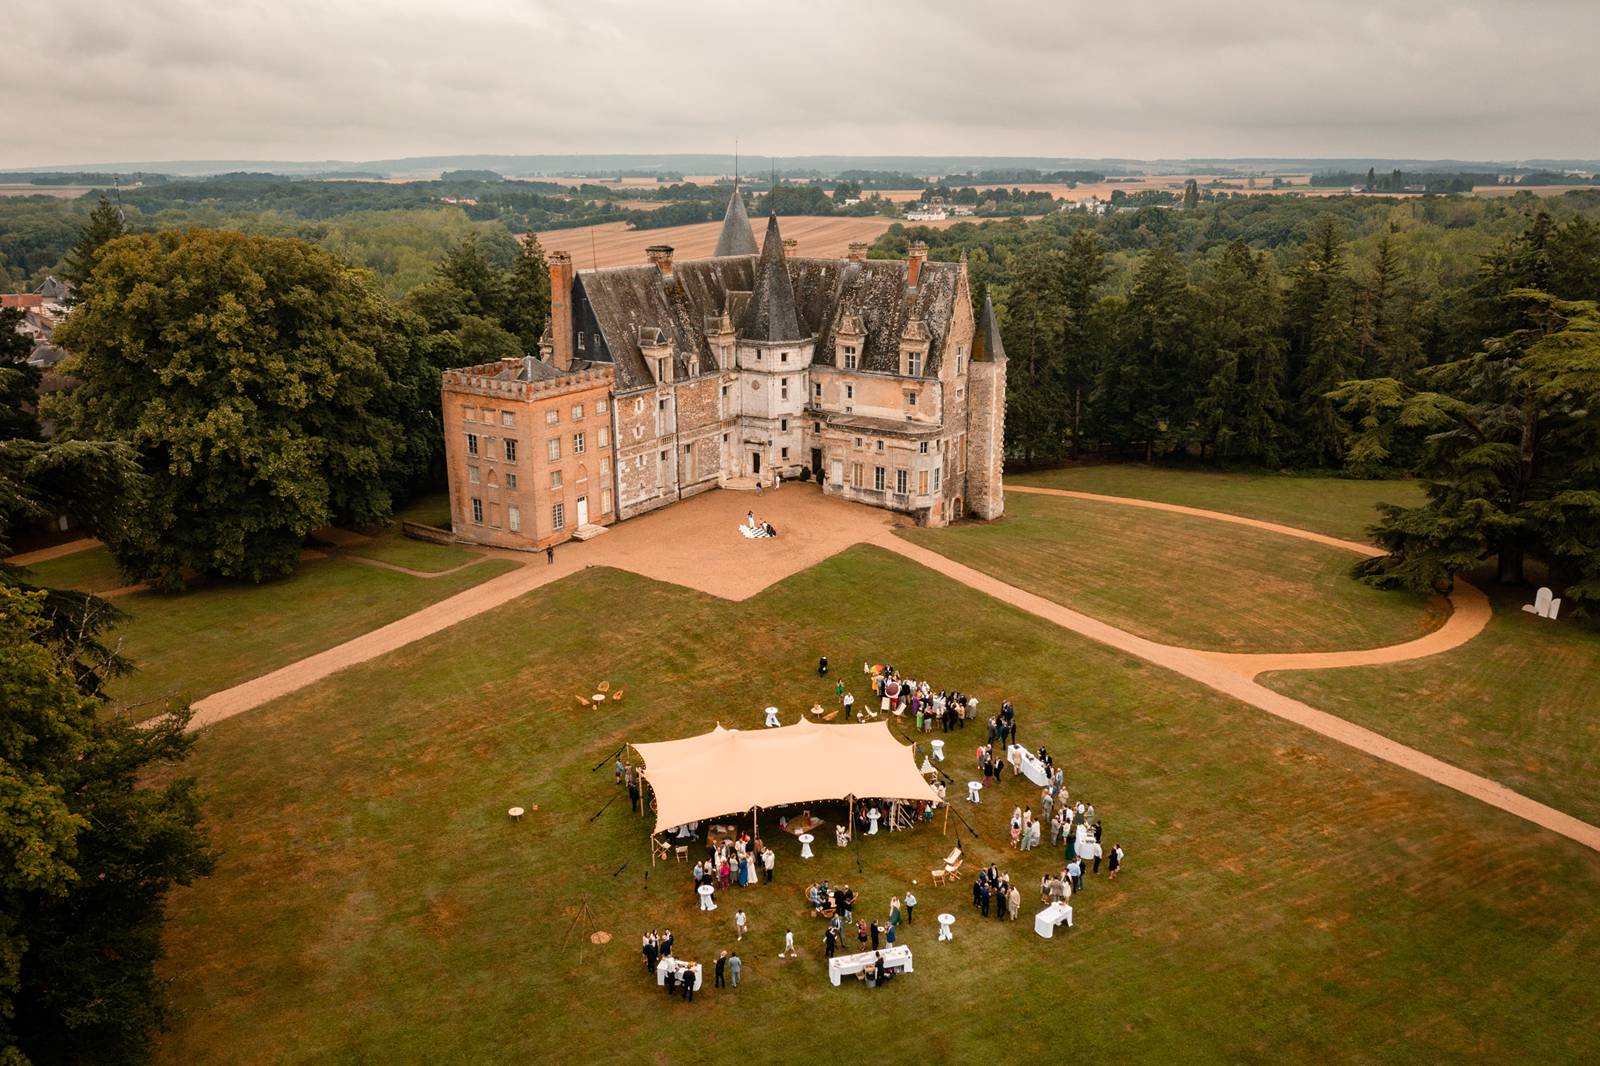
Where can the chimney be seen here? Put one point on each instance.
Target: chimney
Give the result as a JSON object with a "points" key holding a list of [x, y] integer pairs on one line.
{"points": [[789, 245], [661, 258], [916, 255], [560, 264], [858, 251]]}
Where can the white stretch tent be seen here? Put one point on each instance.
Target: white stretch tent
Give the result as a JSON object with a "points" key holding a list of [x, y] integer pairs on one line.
{"points": [[728, 771]]}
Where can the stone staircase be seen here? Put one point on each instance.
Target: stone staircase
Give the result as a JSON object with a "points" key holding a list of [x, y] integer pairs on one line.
{"points": [[588, 531]]}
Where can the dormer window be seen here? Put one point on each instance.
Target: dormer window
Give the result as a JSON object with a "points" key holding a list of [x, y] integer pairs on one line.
{"points": [[914, 364], [849, 357], [694, 365]]}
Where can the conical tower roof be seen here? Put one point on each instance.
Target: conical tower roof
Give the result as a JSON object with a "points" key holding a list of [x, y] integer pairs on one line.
{"points": [[735, 238], [986, 346], [772, 315]]}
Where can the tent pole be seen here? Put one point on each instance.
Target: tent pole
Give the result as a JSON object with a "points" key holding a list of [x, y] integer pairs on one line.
{"points": [[850, 815], [755, 823], [652, 850], [946, 830]]}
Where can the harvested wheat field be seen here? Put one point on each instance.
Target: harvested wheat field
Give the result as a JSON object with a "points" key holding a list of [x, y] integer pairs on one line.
{"points": [[614, 244]]}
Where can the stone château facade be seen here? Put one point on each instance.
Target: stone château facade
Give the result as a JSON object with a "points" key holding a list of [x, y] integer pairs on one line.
{"points": [[874, 375]]}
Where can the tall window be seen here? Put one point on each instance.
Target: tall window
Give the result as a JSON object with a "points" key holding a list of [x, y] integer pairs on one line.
{"points": [[783, 388], [472, 474], [477, 510], [922, 482], [511, 481], [849, 392], [855, 474], [552, 416], [555, 479], [577, 444], [816, 389], [577, 412], [877, 478], [902, 481], [922, 447], [599, 407], [936, 479], [914, 364], [507, 418], [472, 444], [605, 501], [849, 357], [511, 450], [603, 438], [558, 516], [911, 399], [514, 519], [552, 448]]}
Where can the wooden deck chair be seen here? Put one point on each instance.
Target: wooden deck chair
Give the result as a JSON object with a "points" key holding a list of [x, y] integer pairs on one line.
{"points": [[953, 857], [953, 870], [938, 877], [681, 853], [583, 700]]}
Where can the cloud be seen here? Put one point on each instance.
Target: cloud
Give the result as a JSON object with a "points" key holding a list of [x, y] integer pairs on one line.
{"points": [[361, 79]]}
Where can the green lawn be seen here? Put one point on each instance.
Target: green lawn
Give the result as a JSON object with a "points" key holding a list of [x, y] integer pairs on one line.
{"points": [[1339, 507], [1285, 899], [396, 548], [220, 634], [88, 571], [1185, 580], [1517, 704]]}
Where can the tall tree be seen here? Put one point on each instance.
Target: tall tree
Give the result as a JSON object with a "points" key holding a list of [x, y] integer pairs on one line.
{"points": [[1147, 389], [1320, 316], [267, 387], [1084, 327], [1241, 410], [19, 382], [104, 225], [1034, 397], [90, 847], [1386, 335], [1191, 195], [1513, 460]]}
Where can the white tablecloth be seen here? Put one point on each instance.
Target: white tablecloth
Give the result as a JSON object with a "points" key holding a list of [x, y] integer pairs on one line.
{"points": [[1045, 922], [896, 957], [1032, 768], [661, 972]]}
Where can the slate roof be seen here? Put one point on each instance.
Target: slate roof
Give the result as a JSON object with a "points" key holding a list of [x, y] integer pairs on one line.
{"points": [[821, 292], [772, 315], [735, 238], [986, 346]]}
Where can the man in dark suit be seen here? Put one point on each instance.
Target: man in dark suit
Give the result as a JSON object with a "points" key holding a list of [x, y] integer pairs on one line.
{"points": [[672, 980], [873, 929], [688, 986], [830, 942], [722, 962], [882, 972]]}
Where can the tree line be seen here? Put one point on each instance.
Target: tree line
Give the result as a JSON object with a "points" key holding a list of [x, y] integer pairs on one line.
{"points": [[1489, 391]]}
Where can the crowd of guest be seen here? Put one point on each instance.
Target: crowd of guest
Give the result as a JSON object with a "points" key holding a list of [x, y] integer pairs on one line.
{"points": [[901, 696], [733, 863], [994, 889]]}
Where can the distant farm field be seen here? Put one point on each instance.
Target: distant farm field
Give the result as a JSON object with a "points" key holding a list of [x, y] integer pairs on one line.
{"points": [[614, 244]]}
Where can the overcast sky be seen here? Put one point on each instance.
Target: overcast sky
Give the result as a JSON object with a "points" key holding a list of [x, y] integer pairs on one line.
{"points": [[119, 80]]}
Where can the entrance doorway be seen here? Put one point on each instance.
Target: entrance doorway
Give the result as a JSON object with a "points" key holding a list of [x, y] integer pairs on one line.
{"points": [[816, 464], [583, 510], [755, 463]]}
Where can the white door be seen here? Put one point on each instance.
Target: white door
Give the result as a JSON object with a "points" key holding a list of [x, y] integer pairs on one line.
{"points": [[836, 472], [583, 510]]}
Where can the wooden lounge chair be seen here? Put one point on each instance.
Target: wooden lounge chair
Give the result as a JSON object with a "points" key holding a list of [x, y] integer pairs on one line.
{"points": [[583, 700], [954, 858], [953, 870]]}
